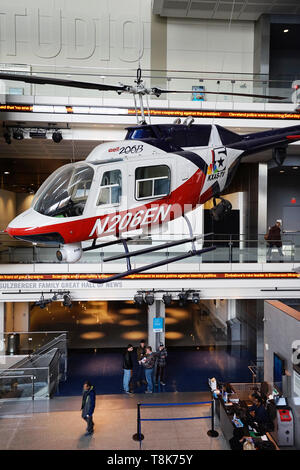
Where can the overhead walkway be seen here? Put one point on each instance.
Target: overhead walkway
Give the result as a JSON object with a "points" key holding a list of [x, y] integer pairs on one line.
{"points": [[238, 268]]}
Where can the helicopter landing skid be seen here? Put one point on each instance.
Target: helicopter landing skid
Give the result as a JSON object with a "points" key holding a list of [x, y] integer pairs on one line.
{"points": [[128, 255]]}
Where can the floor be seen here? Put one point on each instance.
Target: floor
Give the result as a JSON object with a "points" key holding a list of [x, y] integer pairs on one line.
{"points": [[187, 370], [56, 424]]}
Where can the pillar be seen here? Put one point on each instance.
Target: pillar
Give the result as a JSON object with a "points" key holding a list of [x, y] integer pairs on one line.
{"points": [[157, 310], [2, 343], [262, 208]]}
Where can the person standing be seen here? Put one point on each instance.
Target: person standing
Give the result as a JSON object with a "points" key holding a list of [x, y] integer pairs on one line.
{"points": [[161, 364], [148, 362], [127, 368], [274, 239], [88, 406], [140, 352]]}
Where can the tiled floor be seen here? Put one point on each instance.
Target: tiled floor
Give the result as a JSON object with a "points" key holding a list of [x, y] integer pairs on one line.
{"points": [[57, 424]]}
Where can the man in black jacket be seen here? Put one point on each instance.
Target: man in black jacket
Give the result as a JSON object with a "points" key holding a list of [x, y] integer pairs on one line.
{"points": [[127, 368], [88, 406]]}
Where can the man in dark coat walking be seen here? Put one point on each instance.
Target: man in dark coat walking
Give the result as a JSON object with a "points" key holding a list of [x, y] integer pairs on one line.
{"points": [[88, 406], [274, 239]]}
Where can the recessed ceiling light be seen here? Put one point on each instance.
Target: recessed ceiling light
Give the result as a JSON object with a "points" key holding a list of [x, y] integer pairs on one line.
{"points": [[286, 30], [281, 171], [295, 167], [7, 172]]}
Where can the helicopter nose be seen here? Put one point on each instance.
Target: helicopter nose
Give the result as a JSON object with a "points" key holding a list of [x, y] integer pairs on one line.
{"points": [[21, 224]]}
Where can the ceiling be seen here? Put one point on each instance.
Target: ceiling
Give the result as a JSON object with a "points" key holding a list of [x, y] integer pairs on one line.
{"points": [[30, 161], [222, 9]]}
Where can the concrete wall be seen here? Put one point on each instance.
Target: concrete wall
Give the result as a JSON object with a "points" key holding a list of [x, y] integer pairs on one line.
{"points": [[280, 332], [64, 33], [16, 316], [7, 207], [209, 45]]}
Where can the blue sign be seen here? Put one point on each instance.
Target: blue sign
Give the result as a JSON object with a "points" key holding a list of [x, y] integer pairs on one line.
{"points": [[158, 325]]}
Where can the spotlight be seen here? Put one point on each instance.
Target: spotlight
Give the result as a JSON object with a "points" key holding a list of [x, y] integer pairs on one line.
{"points": [[195, 298], [57, 137], [67, 301], [42, 302], [183, 296], [7, 137], [149, 298], [18, 134], [139, 299], [167, 299]]}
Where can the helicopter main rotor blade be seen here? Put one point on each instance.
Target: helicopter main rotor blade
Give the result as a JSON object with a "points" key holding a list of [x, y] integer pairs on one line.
{"points": [[61, 82], [159, 91]]}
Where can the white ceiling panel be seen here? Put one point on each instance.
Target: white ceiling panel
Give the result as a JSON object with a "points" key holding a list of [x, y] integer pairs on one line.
{"points": [[223, 9]]}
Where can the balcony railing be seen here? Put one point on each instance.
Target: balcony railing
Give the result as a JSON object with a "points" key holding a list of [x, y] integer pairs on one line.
{"points": [[229, 249]]}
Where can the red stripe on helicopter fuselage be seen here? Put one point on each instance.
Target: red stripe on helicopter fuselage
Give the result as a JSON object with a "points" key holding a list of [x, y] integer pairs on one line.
{"points": [[181, 200]]}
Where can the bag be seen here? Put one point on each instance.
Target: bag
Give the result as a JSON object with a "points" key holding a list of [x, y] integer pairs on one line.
{"points": [[248, 445]]}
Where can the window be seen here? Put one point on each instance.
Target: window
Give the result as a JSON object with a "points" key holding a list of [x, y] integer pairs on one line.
{"points": [[152, 181], [65, 192], [111, 188]]}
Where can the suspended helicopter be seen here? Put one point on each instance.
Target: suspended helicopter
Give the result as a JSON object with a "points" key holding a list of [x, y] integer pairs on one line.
{"points": [[156, 174]]}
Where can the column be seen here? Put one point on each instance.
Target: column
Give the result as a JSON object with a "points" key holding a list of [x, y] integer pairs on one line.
{"points": [[262, 209], [2, 324], [157, 310]]}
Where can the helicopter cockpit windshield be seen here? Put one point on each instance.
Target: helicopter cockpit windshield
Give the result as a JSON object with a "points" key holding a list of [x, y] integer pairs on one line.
{"points": [[64, 194]]}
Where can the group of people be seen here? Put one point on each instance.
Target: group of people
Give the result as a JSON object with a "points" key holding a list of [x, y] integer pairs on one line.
{"points": [[261, 415], [151, 367], [150, 370]]}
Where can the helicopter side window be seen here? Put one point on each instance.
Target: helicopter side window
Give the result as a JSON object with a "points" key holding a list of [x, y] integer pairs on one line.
{"points": [[152, 181], [111, 188]]}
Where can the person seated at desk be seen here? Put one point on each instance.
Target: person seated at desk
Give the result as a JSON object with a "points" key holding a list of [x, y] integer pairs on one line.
{"points": [[259, 412]]}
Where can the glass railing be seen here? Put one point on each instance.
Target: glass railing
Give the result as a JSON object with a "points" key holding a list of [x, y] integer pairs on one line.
{"points": [[229, 249], [32, 364], [196, 81]]}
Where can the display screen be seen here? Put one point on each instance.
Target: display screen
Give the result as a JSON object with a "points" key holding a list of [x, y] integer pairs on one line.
{"points": [[278, 372]]}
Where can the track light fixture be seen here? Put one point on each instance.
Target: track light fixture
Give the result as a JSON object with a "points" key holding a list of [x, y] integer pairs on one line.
{"points": [[167, 299], [67, 302], [195, 298], [149, 298], [42, 302], [57, 136], [139, 299], [18, 134], [183, 297]]}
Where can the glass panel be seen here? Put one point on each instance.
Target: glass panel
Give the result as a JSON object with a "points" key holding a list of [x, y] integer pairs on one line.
{"points": [[104, 196], [161, 186], [144, 188], [65, 192], [110, 192], [152, 172]]}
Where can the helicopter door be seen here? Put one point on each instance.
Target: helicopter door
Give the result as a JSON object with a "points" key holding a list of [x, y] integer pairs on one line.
{"points": [[110, 191]]}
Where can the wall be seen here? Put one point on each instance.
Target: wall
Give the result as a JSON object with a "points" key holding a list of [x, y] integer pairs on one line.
{"points": [[110, 33], [280, 331], [7, 207], [281, 189], [16, 316], [23, 202]]}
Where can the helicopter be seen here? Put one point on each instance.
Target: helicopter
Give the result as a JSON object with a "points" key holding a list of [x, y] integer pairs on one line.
{"points": [[158, 173]]}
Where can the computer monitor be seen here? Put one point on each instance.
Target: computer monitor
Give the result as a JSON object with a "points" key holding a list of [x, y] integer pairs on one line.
{"points": [[278, 372]]}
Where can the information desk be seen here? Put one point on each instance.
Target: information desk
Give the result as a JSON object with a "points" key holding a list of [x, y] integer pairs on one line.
{"points": [[226, 412]]}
